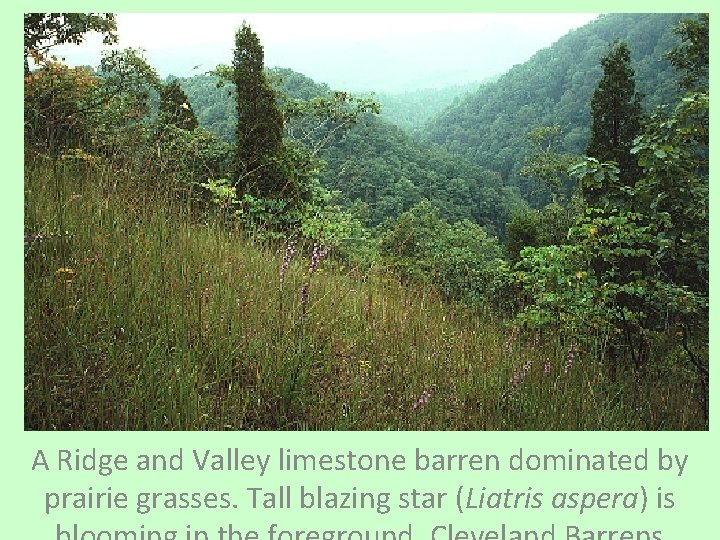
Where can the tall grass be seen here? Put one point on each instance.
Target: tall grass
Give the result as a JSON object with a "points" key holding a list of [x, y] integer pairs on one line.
{"points": [[141, 313]]}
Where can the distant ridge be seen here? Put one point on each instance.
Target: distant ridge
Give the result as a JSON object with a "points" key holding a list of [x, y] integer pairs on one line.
{"points": [[555, 86]]}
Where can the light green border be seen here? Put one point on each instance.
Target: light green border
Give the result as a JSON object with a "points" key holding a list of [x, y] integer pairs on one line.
{"points": [[696, 515]]}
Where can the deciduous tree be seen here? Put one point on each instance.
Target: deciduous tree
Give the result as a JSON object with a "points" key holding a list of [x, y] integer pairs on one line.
{"points": [[45, 30], [693, 54]]}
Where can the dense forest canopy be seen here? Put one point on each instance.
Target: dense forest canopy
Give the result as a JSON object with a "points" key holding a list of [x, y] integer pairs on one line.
{"points": [[554, 87]]}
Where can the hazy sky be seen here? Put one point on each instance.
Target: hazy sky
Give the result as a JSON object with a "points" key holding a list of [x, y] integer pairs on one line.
{"points": [[350, 51]]}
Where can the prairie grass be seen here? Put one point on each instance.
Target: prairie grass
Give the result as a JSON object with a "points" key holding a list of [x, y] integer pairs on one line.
{"points": [[142, 313]]}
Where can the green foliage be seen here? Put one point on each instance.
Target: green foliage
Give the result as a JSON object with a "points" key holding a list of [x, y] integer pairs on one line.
{"points": [[117, 243], [60, 103], [130, 324], [658, 228], [639, 251], [71, 107], [379, 164], [549, 166], [626, 250], [316, 122], [213, 105], [558, 293], [175, 108], [180, 157], [602, 180], [277, 189], [523, 230], [124, 107], [311, 117], [110, 114], [673, 151], [315, 218], [259, 132], [616, 118], [128, 78], [458, 259], [534, 228], [632, 250], [44, 30], [222, 194], [367, 159], [693, 55], [609, 281]]}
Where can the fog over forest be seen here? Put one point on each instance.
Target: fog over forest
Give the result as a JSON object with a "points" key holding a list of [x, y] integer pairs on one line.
{"points": [[358, 52]]}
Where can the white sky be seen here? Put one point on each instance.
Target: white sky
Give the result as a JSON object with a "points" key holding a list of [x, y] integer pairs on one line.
{"points": [[316, 44], [161, 29]]}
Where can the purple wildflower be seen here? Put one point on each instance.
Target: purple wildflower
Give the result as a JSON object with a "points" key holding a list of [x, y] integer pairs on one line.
{"points": [[517, 378], [289, 252], [424, 398], [318, 254], [509, 341], [31, 238], [571, 355]]}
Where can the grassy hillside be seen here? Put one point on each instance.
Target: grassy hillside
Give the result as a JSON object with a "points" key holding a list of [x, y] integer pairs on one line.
{"points": [[141, 312]]}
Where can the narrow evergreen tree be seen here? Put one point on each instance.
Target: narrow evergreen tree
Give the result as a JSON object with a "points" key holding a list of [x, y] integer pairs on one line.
{"points": [[259, 131], [616, 119], [175, 108]]}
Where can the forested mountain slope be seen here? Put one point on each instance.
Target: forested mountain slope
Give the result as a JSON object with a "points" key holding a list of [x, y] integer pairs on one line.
{"points": [[554, 87], [376, 162]]}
